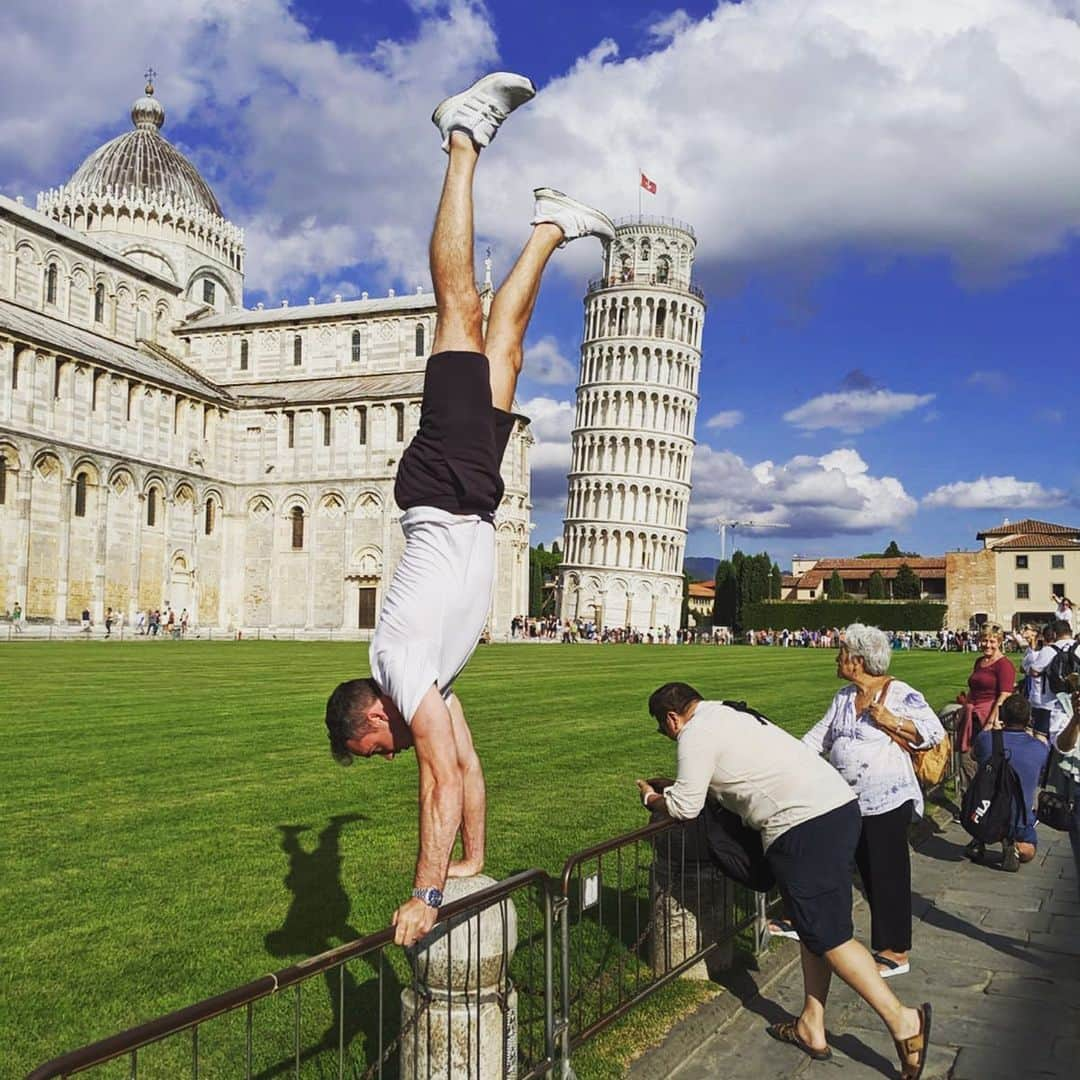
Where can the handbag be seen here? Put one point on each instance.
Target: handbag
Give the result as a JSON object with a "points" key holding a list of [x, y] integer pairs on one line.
{"points": [[932, 764], [1055, 810]]}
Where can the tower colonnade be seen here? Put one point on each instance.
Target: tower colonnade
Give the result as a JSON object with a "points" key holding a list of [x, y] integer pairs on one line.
{"points": [[633, 438]]}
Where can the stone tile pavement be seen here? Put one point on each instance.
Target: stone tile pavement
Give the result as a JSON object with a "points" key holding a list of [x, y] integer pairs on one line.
{"points": [[997, 954]]}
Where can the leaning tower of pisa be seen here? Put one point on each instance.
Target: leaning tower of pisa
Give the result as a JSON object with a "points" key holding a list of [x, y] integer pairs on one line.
{"points": [[624, 532]]}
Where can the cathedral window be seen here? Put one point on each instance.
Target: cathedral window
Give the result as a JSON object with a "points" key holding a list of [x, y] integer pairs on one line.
{"points": [[208, 291], [151, 507], [14, 370], [361, 416], [297, 519], [297, 350], [99, 303], [3, 479], [58, 369], [80, 495], [419, 339], [50, 284], [243, 355], [290, 429], [325, 413], [399, 419], [356, 346], [208, 519], [94, 383]]}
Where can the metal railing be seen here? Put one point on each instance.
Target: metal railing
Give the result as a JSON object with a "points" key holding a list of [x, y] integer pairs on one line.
{"points": [[629, 915], [229, 1035], [655, 219]]}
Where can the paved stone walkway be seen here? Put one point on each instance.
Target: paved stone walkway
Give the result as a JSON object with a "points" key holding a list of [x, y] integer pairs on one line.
{"points": [[997, 954]]}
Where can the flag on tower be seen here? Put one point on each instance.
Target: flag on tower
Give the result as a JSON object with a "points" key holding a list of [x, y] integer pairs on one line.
{"points": [[648, 185]]}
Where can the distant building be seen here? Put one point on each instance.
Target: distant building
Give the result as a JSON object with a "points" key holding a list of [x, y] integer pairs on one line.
{"points": [[700, 597], [1011, 580], [809, 578]]}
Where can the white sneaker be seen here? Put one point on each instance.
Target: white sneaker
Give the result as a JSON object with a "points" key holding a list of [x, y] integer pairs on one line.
{"points": [[574, 218], [480, 110]]}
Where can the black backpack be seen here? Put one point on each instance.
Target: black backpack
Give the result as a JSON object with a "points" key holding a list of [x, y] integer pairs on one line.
{"points": [[993, 805], [1066, 662]]}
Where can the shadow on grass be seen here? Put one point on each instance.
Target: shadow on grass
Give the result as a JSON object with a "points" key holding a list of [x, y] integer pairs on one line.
{"points": [[318, 920]]}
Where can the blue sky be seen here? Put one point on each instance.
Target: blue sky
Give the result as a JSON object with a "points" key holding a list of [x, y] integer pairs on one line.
{"points": [[886, 199]]}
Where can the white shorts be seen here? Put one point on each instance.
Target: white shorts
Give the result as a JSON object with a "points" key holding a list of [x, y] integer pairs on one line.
{"points": [[436, 607]]}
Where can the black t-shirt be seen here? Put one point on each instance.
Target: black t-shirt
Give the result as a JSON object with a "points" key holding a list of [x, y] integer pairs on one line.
{"points": [[453, 460]]}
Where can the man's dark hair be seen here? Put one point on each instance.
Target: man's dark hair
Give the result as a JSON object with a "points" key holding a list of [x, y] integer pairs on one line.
{"points": [[671, 697], [1015, 711], [343, 709], [1062, 628]]}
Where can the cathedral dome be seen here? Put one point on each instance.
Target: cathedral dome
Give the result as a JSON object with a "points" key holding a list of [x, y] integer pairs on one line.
{"points": [[145, 162]]}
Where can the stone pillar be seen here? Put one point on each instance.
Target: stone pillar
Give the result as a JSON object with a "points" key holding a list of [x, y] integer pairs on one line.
{"points": [[64, 547], [690, 904], [459, 1018]]}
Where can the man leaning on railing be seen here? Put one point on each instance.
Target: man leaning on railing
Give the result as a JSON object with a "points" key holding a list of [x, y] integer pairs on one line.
{"points": [[809, 822]]}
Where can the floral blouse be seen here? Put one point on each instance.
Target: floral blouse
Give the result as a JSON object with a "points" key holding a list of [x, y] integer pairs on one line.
{"points": [[877, 769]]}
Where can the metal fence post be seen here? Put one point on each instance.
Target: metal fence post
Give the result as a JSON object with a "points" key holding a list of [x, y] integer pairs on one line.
{"points": [[761, 924], [562, 912]]}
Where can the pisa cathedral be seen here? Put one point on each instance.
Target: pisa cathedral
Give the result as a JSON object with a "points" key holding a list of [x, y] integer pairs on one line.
{"points": [[161, 445], [632, 444]]}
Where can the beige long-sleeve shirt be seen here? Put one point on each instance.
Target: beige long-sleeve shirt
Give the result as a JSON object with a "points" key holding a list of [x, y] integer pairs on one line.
{"points": [[758, 771]]}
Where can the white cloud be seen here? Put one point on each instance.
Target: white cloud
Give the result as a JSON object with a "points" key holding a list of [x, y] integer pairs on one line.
{"points": [[549, 457], [545, 363], [814, 496], [816, 126], [852, 411], [726, 418], [994, 493]]}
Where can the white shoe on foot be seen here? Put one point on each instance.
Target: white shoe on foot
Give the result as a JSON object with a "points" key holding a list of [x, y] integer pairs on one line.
{"points": [[574, 218], [480, 110]]}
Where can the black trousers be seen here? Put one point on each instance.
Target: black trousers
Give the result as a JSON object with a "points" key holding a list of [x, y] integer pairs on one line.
{"points": [[884, 861]]}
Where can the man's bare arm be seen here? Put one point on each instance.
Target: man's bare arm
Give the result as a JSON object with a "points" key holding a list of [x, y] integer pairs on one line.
{"points": [[441, 791], [474, 809]]}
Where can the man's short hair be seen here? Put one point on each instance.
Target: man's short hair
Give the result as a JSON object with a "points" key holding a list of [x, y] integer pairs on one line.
{"points": [[674, 697], [344, 713], [1062, 628], [1015, 711]]}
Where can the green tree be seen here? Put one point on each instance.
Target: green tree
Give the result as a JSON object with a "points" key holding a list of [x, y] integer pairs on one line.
{"points": [[875, 587], [893, 550], [776, 583], [685, 617], [536, 585], [907, 585], [835, 590], [724, 601]]}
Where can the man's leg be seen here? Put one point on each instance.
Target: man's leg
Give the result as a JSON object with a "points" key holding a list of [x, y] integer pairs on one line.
{"points": [[511, 311], [460, 319], [816, 978], [854, 964], [474, 808]]}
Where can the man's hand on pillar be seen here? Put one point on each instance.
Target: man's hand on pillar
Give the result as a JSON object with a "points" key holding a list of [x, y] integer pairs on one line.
{"points": [[412, 921]]}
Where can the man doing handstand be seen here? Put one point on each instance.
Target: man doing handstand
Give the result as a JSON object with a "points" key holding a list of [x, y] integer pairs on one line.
{"points": [[449, 487]]}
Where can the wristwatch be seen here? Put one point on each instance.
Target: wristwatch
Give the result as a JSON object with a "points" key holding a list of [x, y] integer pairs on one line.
{"points": [[432, 897]]}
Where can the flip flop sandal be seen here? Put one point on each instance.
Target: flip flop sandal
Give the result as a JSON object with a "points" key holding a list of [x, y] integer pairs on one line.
{"points": [[918, 1043], [786, 1032], [783, 928], [888, 968]]}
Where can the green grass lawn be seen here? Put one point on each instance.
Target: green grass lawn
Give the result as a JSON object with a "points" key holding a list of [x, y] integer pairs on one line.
{"points": [[167, 806]]}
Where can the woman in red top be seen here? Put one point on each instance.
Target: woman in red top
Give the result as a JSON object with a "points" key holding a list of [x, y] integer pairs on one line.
{"points": [[991, 681]]}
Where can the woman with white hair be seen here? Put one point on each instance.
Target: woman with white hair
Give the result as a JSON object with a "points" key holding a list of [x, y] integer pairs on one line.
{"points": [[867, 734]]}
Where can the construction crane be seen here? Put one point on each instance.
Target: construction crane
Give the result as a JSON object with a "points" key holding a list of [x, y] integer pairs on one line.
{"points": [[724, 525]]}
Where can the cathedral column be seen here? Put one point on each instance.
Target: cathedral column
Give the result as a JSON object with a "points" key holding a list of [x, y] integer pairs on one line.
{"points": [[22, 513], [63, 555], [135, 605], [100, 549]]}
